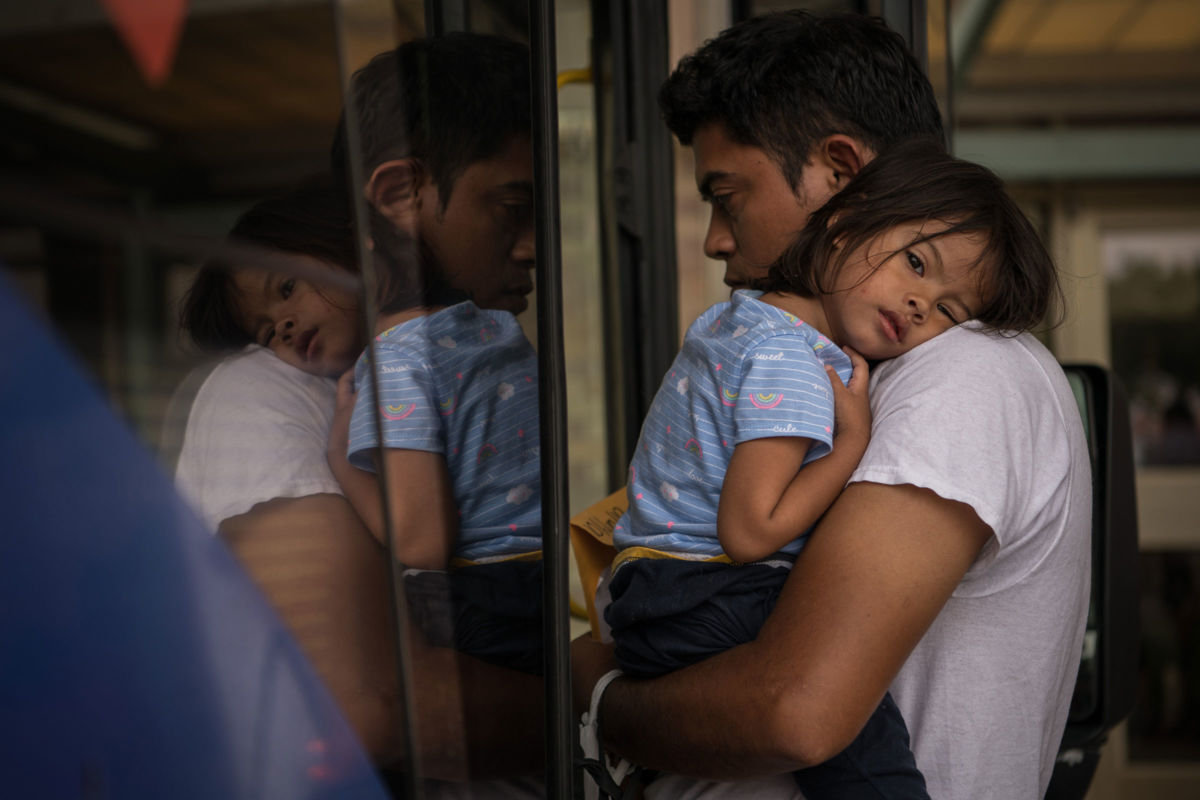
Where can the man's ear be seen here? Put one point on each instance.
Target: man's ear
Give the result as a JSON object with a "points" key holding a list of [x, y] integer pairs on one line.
{"points": [[394, 189], [842, 156]]}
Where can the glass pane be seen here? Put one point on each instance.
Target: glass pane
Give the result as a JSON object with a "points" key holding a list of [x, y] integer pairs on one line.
{"points": [[202, 184], [444, 416], [129, 155]]}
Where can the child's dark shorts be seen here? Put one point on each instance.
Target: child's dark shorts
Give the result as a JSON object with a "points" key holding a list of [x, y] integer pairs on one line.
{"points": [[492, 611]]}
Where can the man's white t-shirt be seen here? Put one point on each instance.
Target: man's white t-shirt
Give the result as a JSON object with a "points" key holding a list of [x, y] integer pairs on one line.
{"points": [[989, 421], [257, 430]]}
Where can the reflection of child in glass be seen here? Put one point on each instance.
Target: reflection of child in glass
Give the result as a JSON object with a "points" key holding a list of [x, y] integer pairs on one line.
{"points": [[309, 324], [739, 455], [457, 394]]}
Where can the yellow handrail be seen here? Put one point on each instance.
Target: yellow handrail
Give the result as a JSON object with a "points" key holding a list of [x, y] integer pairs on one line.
{"points": [[581, 75]]}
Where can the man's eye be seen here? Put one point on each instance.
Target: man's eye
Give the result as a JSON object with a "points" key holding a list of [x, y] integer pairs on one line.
{"points": [[286, 287], [915, 262], [721, 201], [517, 213]]}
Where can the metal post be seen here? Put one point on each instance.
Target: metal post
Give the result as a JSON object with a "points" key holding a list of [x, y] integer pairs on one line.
{"points": [[552, 403]]}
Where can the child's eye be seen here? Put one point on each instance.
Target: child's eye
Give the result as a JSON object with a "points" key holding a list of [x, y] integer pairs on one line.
{"points": [[915, 262], [267, 337], [945, 310], [286, 287]]}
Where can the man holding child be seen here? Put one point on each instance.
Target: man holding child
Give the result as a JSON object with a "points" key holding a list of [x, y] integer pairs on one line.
{"points": [[954, 566]]}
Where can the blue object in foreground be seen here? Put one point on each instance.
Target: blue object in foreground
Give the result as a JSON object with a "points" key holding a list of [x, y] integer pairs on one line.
{"points": [[136, 658]]}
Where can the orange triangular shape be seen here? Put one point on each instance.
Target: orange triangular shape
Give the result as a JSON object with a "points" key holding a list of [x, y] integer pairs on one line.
{"points": [[150, 29]]}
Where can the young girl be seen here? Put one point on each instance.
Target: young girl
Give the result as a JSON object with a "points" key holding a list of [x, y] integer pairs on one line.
{"points": [[309, 323], [296, 330], [457, 411], [739, 454]]}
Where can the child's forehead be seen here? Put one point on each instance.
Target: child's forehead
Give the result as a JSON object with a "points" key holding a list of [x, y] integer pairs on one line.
{"points": [[249, 292]]}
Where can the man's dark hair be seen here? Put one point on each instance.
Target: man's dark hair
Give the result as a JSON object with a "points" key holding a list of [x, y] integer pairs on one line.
{"points": [[449, 101], [782, 82], [313, 219], [917, 181]]}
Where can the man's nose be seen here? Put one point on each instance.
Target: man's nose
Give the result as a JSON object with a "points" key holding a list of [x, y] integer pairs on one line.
{"points": [[524, 249], [718, 242]]}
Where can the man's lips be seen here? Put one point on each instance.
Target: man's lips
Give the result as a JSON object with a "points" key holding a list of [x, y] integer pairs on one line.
{"points": [[519, 296], [894, 326]]}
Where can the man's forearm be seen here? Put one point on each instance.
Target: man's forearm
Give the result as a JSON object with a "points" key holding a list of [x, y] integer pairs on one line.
{"points": [[871, 580], [728, 735]]}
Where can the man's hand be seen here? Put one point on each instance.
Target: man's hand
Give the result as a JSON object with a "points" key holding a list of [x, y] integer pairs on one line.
{"points": [[590, 661]]}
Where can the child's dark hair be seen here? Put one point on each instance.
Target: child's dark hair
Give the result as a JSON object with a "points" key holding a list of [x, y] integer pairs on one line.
{"points": [[449, 101], [919, 181], [782, 82], [313, 219]]}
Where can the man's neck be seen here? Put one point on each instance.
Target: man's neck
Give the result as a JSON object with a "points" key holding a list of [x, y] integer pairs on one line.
{"points": [[808, 309], [386, 321]]}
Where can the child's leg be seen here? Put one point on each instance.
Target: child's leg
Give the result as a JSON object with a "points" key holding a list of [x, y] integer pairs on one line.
{"points": [[498, 613], [877, 764], [667, 614]]}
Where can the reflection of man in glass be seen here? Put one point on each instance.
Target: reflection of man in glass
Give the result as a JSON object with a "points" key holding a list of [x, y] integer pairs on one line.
{"points": [[450, 168], [445, 132], [445, 142], [457, 417]]}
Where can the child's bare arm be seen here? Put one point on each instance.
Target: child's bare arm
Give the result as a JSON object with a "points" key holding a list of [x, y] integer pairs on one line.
{"points": [[420, 492], [360, 487], [767, 500], [421, 503]]}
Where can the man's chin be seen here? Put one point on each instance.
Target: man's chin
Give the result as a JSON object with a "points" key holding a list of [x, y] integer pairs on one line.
{"points": [[735, 282], [513, 303]]}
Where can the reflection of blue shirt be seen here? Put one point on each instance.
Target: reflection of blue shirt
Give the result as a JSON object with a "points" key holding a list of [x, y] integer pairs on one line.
{"points": [[462, 382], [747, 370]]}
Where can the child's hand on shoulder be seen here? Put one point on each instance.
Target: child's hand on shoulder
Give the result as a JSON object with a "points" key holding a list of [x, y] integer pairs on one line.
{"points": [[339, 432], [851, 403], [346, 391]]}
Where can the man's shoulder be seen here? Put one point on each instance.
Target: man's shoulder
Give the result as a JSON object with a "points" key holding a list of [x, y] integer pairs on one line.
{"points": [[972, 355], [256, 377]]}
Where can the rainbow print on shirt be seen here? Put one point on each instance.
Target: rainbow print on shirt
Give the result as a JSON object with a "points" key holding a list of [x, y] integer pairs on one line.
{"points": [[766, 401], [486, 453], [395, 413]]}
